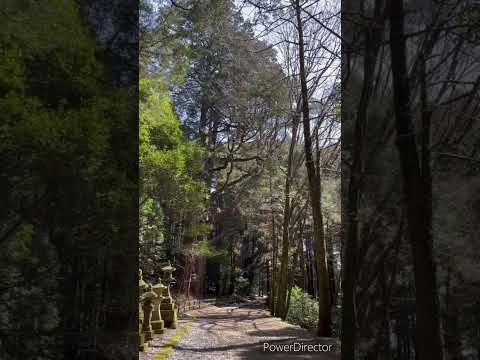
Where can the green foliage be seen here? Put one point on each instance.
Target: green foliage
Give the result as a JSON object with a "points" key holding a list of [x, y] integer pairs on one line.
{"points": [[151, 220], [172, 190], [169, 57], [242, 284], [170, 165], [331, 199], [303, 309], [222, 257], [27, 282], [28, 296], [201, 229], [203, 248]]}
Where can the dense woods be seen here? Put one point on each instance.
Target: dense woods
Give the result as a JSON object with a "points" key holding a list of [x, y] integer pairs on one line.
{"points": [[68, 184], [240, 149], [410, 101]]}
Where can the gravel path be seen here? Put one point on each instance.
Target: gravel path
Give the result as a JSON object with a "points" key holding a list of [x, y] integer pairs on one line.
{"points": [[239, 332]]}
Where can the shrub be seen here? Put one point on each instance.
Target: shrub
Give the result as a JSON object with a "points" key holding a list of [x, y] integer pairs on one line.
{"points": [[303, 309]]}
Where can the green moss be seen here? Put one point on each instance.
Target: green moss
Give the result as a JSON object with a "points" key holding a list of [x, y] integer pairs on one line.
{"points": [[174, 340]]}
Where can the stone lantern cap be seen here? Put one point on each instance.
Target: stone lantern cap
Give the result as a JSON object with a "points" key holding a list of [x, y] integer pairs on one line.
{"points": [[168, 268], [141, 283], [150, 294], [159, 286]]}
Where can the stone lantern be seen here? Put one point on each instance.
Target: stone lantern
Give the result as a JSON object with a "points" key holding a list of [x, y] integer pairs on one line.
{"points": [[148, 298], [167, 308], [142, 285], [157, 321]]}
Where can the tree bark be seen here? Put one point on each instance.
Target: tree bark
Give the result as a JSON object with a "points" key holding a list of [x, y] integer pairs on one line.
{"points": [[291, 280], [427, 332], [283, 280], [324, 315], [268, 280], [330, 266], [303, 275], [274, 255]]}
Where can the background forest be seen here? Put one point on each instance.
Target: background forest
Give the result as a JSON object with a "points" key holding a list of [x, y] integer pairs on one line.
{"points": [[228, 161]]}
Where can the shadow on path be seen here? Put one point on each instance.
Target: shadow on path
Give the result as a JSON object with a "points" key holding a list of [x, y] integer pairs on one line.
{"points": [[240, 331]]}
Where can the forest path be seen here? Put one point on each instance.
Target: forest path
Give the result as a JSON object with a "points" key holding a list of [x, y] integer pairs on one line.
{"points": [[239, 332]]}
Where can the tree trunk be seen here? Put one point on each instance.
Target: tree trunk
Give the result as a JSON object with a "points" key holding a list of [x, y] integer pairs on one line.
{"points": [[291, 280], [268, 280], [274, 255], [303, 275], [324, 316], [231, 288], [330, 266], [309, 267], [427, 332], [283, 280]]}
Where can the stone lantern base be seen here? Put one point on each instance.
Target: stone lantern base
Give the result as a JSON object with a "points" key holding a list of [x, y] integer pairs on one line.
{"points": [[148, 333], [169, 313], [158, 326], [142, 343]]}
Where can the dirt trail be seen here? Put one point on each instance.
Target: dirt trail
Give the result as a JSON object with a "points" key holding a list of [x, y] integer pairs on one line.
{"points": [[235, 333]]}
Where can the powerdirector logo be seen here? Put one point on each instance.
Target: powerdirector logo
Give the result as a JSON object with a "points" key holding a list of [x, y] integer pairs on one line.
{"points": [[296, 347]]}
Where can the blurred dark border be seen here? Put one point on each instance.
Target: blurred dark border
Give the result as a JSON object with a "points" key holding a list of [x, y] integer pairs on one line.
{"points": [[69, 179], [410, 179]]}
